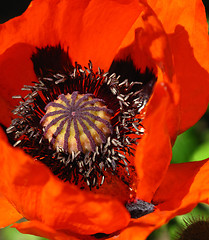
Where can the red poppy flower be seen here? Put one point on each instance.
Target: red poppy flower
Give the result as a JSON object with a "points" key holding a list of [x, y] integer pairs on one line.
{"points": [[168, 37]]}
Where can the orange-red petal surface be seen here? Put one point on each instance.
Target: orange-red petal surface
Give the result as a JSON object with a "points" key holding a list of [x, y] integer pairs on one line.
{"points": [[142, 227], [86, 42], [91, 30], [16, 71], [186, 26], [183, 187], [154, 151], [8, 214], [39, 229], [98, 30], [5, 113], [38, 195], [192, 78], [147, 44], [187, 189], [52, 24]]}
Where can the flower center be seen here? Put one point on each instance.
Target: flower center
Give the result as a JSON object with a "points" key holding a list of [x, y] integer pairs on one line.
{"points": [[77, 122], [83, 125]]}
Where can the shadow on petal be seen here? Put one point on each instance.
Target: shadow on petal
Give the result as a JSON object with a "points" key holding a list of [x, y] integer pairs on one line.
{"points": [[16, 70], [192, 78]]}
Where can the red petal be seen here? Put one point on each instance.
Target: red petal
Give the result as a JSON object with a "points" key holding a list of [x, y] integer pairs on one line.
{"points": [[39, 229], [39, 195], [190, 185], [16, 70], [183, 187], [154, 151], [5, 112], [91, 29], [8, 214], [187, 27], [147, 44], [192, 78]]}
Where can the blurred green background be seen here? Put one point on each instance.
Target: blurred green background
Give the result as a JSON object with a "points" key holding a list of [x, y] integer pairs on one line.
{"points": [[193, 145]]}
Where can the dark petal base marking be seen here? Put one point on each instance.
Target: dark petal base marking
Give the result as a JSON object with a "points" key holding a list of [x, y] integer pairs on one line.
{"points": [[51, 60], [56, 76], [140, 83], [139, 208]]}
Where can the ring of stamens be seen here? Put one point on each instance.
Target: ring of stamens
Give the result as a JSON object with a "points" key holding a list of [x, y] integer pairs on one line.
{"points": [[39, 132], [76, 122]]}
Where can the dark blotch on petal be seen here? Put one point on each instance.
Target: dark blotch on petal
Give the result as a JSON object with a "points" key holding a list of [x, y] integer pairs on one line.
{"points": [[127, 70], [139, 208], [51, 60]]}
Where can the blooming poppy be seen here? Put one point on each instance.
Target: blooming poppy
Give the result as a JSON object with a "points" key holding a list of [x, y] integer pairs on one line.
{"points": [[149, 39]]}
